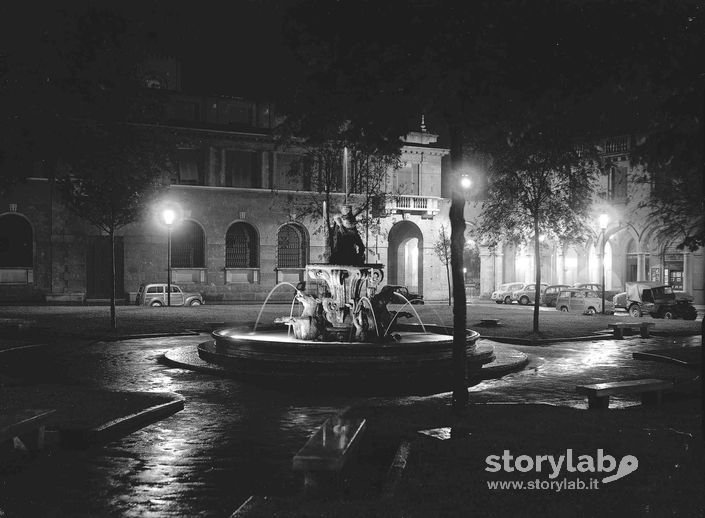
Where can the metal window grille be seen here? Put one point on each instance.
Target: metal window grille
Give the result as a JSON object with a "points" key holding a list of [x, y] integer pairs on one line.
{"points": [[188, 246], [241, 247], [291, 252]]}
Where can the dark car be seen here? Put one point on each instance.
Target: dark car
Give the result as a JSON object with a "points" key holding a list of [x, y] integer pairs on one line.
{"points": [[402, 296], [550, 294], [655, 299]]}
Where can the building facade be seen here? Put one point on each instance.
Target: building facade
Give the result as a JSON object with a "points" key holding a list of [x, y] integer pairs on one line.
{"points": [[241, 230], [634, 250]]}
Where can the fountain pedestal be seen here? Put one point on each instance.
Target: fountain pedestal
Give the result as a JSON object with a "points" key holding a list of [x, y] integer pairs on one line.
{"points": [[347, 284]]}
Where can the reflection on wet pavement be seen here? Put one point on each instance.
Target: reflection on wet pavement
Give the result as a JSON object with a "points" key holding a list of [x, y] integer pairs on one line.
{"points": [[234, 439], [555, 370]]}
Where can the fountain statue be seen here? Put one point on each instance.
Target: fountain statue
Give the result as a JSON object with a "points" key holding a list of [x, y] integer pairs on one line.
{"points": [[346, 332], [350, 309]]}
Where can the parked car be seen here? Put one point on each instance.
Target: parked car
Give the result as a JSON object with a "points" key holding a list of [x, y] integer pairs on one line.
{"points": [[156, 295], [550, 294], [526, 294], [503, 295], [589, 285], [579, 300], [655, 299], [401, 295]]}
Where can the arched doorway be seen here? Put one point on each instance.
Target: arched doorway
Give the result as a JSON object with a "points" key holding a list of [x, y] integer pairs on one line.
{"points": [[16, 242], [405, 256]]}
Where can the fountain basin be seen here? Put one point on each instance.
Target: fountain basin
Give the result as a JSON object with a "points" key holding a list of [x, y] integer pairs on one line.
{"points": [[419, 363]]}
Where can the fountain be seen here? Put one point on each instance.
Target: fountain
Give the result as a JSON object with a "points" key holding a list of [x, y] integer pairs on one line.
{"points": [[345, 337]]}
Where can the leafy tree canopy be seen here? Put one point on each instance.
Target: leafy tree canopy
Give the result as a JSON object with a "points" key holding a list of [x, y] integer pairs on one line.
{"points": [[540, 184], [111, 186], [59, 64]]}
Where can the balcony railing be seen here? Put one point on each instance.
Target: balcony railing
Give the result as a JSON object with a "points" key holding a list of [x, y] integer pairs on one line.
{"points": [[413, 204], [616, 145]]}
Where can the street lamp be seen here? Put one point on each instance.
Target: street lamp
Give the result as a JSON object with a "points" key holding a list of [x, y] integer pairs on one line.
{"points": [[457, 246], [604, 219], [168, 218]]}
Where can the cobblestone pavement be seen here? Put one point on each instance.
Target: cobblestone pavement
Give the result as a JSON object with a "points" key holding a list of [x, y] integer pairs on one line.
{"points": [[234, 439]]}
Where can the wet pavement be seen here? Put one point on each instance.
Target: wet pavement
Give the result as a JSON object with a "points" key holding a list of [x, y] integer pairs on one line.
{"points": [[234, 439], [554, 370]]}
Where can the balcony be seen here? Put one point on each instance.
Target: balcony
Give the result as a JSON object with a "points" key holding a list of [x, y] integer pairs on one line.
{"points": [[407, 204], [616, 145]]}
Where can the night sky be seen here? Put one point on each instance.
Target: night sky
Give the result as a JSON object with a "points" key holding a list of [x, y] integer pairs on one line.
{"points": [[232, 48]]}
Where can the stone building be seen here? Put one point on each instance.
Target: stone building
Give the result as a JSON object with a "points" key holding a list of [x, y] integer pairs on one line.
{"points": [[634, 250], [240, 233]]}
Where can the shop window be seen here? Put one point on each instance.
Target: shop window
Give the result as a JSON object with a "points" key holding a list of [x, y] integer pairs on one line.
{"points": [[675, 279]]}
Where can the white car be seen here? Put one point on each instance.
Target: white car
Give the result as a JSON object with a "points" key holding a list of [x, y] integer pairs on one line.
{"points": [[526, 295], [503, 295]]}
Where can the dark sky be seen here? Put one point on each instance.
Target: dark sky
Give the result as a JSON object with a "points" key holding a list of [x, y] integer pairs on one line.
{"points": [[233, 48], [226, 47]]}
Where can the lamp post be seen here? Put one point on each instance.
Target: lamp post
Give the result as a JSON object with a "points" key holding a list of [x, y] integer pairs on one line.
{"points": [[168, 218], [457, 245], [604, 219]]}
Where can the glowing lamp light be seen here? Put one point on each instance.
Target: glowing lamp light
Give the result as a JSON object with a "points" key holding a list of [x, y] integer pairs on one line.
{"points": [[604, 219], [169, 216], [465, 182]]}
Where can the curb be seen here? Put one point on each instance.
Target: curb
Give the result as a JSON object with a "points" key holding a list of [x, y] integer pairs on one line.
{"points": [[541, 341], [147, 335], [138, 420], [123, 426]]}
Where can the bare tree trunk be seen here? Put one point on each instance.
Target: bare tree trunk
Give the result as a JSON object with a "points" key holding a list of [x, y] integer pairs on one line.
{"points": [[457, 245], [113, 318], [537, 266], [450, 293]]}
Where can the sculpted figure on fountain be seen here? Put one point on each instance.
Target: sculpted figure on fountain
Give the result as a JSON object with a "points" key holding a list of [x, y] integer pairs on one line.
{"points": [[346, 244]]}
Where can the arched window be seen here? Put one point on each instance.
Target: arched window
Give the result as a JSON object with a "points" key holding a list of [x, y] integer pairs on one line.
{"points": [[632, 262], [241, 247], [16, 241], [291, 247], [188, 246]]}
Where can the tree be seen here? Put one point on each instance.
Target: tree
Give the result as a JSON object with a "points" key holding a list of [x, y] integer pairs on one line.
{"points": [[61, 64], [70, 85], [483, 69], [111, 186], [442, 250], [540, 185], [339, 158]]}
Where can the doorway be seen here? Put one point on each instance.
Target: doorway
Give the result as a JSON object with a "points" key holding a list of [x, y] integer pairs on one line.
{"points": [[405, 255]]}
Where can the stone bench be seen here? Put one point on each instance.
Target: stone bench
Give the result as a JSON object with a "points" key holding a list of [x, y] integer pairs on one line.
{"points": [[642, 327], [326, 453], [650, 389], [24, 429]]}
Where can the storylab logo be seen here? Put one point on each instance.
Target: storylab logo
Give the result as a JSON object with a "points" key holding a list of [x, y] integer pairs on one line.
{"points": [[595, 466]]}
